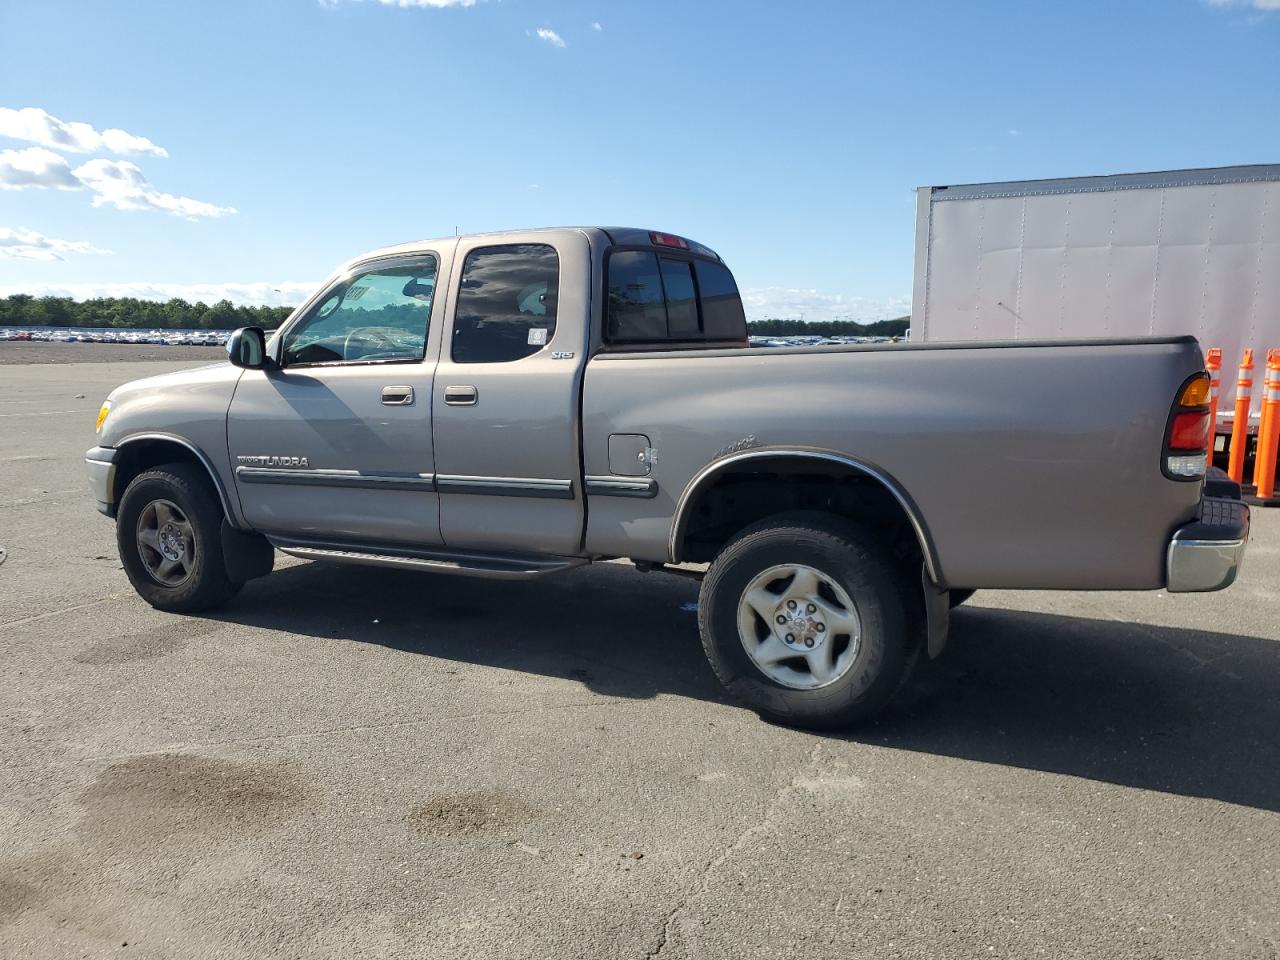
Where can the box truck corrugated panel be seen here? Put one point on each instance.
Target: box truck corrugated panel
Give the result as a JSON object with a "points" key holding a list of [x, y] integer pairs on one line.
{"points": [[1176, 252]]}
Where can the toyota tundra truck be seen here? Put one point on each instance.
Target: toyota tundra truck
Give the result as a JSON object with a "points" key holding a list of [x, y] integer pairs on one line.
{"points": [[514, 405]]}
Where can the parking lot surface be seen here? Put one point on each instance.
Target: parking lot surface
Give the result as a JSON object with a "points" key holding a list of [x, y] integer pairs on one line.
{"points": [[352, 762]]}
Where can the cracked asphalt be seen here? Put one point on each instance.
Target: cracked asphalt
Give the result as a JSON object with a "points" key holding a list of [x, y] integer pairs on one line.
{"points": [[366, 763]]}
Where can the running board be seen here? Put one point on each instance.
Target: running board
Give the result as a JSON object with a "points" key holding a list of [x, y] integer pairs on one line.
{"points": [[491, 566]]}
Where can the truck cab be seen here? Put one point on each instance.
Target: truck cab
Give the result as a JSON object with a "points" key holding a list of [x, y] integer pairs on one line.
{"points": [[429, 395]]}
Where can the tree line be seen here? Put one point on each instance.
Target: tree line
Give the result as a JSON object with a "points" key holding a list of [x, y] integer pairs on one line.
{"points": [[24, 310], [775, 327]]}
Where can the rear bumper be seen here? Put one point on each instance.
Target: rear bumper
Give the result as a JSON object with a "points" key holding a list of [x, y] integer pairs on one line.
{"points": [[1207, 554], [100, 462]]}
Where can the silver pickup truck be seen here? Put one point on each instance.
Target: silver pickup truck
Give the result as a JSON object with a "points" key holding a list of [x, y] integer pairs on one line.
{"points": [[512, 405]]}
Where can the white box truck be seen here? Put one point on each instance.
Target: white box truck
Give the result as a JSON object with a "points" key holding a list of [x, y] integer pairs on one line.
{"points": [[1139, 254]]}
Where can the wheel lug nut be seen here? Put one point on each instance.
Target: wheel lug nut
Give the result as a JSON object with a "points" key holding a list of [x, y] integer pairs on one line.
{"points": [[822, 628], [811, 608], [808, 641], [791, 604], [791, 638], [781, 618]]}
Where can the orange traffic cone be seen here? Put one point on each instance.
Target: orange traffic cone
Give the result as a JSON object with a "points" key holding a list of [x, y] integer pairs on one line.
{"points": [[1264, 470], [1213, 363], [1240, 426]]}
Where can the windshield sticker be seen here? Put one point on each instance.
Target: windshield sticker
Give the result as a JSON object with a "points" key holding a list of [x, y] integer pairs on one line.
{"points": [[537, 336]]}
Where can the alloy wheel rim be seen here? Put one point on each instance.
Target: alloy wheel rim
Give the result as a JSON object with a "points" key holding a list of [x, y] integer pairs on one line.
{"points": [[166, 542], [799, 626]]}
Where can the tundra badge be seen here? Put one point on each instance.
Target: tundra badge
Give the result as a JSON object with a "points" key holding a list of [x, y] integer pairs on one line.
{"points": [[265, 461]]}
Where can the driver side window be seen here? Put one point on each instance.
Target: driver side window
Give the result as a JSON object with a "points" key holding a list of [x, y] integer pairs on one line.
{"points": [[375, 315]]}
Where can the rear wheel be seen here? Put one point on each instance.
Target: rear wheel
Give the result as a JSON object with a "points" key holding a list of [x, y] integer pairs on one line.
{"points": [[168, 530], [806, 618]]}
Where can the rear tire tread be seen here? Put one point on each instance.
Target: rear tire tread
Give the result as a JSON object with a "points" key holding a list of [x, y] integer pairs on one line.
{"points": [[883, 595]]}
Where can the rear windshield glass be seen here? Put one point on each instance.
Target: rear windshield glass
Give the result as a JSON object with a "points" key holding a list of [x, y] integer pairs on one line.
{"points": [[637, 310], [682, 302], [722, 314], [656, 298]]}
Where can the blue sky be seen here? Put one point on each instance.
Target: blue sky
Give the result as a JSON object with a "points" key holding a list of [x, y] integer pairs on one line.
{"points": [[244, 147]]}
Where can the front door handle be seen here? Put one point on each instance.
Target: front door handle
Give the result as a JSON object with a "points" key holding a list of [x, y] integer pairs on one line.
{"points": [[461, 396], [397, 396]]}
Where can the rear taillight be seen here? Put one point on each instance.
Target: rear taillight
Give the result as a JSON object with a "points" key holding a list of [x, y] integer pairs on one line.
{"points": [[1186, 439], [1190, 431]]}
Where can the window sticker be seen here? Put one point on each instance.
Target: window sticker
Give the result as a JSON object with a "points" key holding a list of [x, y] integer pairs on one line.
{"points": [[355, 293], [537, 336]]}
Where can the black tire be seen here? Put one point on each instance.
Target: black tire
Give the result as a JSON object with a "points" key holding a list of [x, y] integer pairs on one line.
{"points": [[855, 559], [206, 584], [960, 596]]}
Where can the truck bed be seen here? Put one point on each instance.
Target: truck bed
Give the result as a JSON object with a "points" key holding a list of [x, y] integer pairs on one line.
{"points": [[1031, 464]]}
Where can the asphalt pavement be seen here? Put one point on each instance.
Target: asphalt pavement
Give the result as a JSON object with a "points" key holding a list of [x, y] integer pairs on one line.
{"points": [[351, 762]]}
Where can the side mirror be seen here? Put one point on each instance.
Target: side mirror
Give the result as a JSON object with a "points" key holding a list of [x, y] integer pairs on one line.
{"points": [[247, 347]]}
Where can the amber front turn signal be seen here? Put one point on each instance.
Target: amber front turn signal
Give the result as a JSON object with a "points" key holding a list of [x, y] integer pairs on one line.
{"points": [[102, 416]]}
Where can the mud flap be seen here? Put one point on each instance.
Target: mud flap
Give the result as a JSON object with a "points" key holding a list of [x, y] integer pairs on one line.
{"points": [[937, 611], [245, 555]]}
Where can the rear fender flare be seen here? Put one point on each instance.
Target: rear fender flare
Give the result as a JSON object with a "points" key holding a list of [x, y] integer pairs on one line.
{"points": [[705, 477]]}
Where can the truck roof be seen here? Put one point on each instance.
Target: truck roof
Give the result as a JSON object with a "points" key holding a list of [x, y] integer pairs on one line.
{"points": [[623, 236]]}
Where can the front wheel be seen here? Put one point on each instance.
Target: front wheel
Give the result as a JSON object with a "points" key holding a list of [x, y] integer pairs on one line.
{"points": [[168, 530], [806, 618]]}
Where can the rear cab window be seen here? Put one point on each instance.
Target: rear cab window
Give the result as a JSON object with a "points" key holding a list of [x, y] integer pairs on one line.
{"points": [[506, 307], [670, 297]]}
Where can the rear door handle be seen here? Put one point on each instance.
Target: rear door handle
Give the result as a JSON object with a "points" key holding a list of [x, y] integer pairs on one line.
{"points": [[397, 396], [461, 396]]}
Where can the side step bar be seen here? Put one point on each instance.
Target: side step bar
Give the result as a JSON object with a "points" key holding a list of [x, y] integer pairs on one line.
{"points": [[492, 566]]}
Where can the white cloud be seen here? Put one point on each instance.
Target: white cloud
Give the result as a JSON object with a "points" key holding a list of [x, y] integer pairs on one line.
{"points": [[116, 183], [1256, 4], [789, 303], [36, 126], [595, 25], [254, 293], [24, 244], [551, 37], [119, 183], [35, 167]]}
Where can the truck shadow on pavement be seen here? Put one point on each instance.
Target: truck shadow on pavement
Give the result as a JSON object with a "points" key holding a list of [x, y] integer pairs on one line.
{"points": [[1158, 708]]}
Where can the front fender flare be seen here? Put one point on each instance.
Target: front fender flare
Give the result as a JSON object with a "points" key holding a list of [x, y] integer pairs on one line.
{"points": [[228, 508]]}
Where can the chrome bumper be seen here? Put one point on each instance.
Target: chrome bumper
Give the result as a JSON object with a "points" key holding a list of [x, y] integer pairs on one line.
{"points": [[1207, 554], [101, 464]]}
